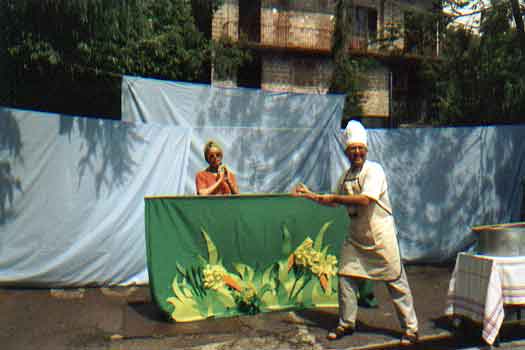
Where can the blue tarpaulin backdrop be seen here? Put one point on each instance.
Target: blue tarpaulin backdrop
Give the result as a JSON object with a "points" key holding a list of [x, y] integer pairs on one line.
{"points": [[72, 188]]}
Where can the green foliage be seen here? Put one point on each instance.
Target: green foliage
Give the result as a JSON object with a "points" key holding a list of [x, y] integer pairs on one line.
{"points": [[480, 78], [93, 42], [348, 71], [420, 32], [202, 12], [229, 56], [348, 78], [153, 37]]}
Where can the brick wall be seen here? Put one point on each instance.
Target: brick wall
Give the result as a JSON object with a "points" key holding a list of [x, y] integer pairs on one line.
{"points": [[308, 30], [294, 29], [376, 92], [226, 24], [226, 21], [296, 74]]}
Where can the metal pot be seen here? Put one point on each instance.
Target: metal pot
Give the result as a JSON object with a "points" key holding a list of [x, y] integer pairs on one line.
{"points": [[501, 239]]}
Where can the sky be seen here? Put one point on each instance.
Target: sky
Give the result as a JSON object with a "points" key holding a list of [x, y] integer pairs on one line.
{"points": [[469, 21]]}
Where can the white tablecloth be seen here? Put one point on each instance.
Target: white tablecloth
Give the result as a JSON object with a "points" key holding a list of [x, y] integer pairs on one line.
{"points": [[481, 285]]}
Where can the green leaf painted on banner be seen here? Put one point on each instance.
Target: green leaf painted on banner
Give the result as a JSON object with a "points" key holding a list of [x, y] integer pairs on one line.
{"points": [[176, 290], [245, 271], [269, 298], [213, 255], [329, 290], [320, 298], [240, 268], [306, 296], [223, 296], [299, 287], [283, 274], [287, 243], [187, 291], [201, 261], [204, 305], [320, 236], [185, 308], [194, 279], [267, 278], [181, 269], [286, 281], [200, 280], [250, 273], [266, 289]]}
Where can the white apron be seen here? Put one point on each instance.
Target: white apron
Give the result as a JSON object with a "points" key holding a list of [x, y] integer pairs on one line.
{"points": [[370, 249]]}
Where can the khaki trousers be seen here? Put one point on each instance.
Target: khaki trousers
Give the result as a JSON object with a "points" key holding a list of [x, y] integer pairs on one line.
{"points": [[400, 294]]}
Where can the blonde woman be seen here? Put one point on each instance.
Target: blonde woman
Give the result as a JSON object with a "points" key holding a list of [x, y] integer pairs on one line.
{"points": [[216, 179]]}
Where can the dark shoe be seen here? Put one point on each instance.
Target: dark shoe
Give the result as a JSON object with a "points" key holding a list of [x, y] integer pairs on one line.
{"points": [[409, 338], [340, 332], [368, 301], [366, 296]]}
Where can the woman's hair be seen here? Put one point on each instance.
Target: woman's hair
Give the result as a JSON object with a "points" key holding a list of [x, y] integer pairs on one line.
{"points": [[209, 145]]}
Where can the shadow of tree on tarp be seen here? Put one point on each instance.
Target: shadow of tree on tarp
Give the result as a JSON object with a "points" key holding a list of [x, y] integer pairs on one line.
{"points": [[443, 181], [107, 149], [10, 151], [503, 168], [428, 170]]}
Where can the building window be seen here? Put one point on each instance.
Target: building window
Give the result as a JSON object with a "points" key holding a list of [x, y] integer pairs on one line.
{"points": [[364, 26], [305, 72], [420, 33]]}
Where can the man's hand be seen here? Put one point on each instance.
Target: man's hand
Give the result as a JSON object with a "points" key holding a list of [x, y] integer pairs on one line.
{"points": [[301, 189]]}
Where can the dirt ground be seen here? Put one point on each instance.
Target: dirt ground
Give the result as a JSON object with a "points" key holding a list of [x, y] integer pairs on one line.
{"points": [[124, 318]]}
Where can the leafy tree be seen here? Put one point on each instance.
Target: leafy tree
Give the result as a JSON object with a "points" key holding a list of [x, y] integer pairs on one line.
{"points": [[228, 57], [348, 70], [518, 19], [76, 50], [202, 11], [480, 79]]}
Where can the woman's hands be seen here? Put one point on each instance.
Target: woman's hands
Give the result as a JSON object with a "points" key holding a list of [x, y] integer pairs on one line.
{"points": [[224, 175]]}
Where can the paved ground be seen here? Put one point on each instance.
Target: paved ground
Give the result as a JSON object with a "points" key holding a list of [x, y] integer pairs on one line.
{"points": [[125, 319]]}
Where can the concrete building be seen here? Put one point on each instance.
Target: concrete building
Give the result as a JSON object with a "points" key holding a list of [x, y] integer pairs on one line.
{"points": [[292, 42]]}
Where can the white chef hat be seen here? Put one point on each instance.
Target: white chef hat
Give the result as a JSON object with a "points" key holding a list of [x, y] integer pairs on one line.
{"points": [[354, 132]]}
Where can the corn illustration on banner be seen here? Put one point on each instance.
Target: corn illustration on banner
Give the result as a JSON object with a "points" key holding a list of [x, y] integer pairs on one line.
{"points": [[228, 256]]}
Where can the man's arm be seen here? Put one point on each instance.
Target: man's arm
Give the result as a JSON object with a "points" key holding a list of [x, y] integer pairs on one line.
{"points": [[331, 199], [344, 199]]}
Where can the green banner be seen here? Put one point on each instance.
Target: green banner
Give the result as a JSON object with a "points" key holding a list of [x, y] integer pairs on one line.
{"points": [[224, 256]]}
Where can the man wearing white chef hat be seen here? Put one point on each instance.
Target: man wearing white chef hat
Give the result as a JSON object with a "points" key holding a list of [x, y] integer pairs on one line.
{"points": [[370, 250]]}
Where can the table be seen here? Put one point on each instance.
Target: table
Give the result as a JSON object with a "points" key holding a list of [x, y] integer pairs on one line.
{"points": [[482, 285], [219, 256]]}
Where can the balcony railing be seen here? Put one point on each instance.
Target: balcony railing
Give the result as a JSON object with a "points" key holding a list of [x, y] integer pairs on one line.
{"points": [[318, 6], [286, 36]]}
